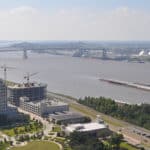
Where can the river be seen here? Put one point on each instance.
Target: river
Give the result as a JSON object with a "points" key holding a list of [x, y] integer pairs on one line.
{"points": [[78, 77]]}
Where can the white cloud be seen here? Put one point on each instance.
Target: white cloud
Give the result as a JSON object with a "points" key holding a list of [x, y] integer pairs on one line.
{"points": [[26, 23], [23, 10]]}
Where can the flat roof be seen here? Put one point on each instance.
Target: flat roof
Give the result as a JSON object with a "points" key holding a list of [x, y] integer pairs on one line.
{"points": [[86, 127], [65, 116], [26, 85], [47, 102]]}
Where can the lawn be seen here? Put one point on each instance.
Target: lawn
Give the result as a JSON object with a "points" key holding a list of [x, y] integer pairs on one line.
{"points": [[39, 145], [3, 146], [56, 128], [123, 145], [30, 128], [9, 132], [127, 146]]}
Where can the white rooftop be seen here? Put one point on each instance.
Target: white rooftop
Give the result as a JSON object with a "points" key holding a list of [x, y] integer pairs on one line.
{"points": [[85, 127]]}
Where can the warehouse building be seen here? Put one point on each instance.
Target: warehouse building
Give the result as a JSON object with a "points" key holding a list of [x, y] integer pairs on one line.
{"points": [[43, 107], [33, 91]]}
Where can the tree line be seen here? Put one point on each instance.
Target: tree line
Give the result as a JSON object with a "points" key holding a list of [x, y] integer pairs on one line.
{"points": [[135, 114], [79, 141]]}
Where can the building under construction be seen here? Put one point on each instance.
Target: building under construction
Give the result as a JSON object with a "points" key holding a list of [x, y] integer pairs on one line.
{"points": [[33, 91], [3, 97]]}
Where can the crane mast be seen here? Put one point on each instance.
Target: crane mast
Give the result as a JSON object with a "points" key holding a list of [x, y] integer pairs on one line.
{"points": [[28, 75], [5, 68]]}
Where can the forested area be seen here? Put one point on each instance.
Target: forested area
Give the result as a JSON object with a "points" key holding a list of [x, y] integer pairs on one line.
{"points": [[79, 141], [136, 114]]}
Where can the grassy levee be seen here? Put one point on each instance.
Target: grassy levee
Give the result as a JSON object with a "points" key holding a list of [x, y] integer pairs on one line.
{"points": [[63, 95], [89, 111], [92, 113]]}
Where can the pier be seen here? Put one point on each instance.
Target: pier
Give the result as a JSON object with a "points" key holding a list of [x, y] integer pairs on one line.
{"points": [[128, 84]]}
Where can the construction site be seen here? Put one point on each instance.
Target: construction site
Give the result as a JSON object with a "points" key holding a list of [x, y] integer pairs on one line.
{"points": [[32, 97]]}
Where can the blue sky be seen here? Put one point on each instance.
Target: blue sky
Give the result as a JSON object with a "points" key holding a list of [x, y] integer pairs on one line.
{"points": [[91, 4], [74, 19]]}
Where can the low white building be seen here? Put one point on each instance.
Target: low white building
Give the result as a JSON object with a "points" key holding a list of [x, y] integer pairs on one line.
{"points": [[93, 128], [43, 107]]}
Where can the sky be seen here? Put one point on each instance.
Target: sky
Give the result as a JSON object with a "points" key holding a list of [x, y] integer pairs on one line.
{"points": [[75, 20]]}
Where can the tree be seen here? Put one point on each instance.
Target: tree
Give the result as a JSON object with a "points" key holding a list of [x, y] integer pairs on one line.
{"points": [[80, 141], [16, 131], [115, 140], [136, 114]]}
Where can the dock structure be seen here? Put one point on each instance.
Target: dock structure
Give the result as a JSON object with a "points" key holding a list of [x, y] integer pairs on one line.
{"points": [[125, 83]]}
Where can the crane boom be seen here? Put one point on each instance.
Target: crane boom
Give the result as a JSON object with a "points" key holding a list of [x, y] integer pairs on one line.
{"points": [[28, 76]]}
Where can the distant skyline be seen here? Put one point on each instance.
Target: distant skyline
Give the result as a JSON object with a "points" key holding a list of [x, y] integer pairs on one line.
{"points": [[99, 20]]}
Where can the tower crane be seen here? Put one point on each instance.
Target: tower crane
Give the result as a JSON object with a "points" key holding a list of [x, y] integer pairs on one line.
{"points": [[5, 68], [28, 75]]}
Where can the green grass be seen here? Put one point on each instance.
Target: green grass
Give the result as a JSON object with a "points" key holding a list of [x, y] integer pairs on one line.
{"points": [[3, 146], [39, 145], [56, 128], [60, 139], [51, 133], [21, 130], [123, 145], [83, 110], [92, 114], [109, 121], [128, 146], [9, 132], [63, 95]]}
